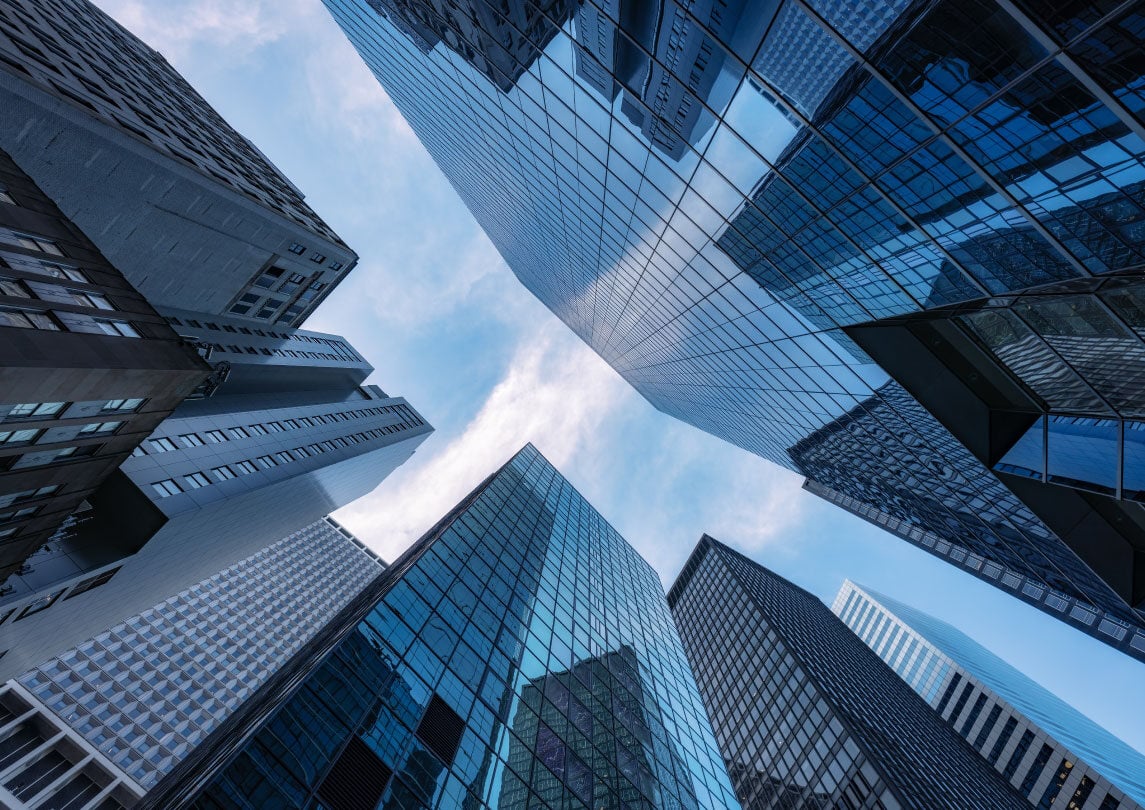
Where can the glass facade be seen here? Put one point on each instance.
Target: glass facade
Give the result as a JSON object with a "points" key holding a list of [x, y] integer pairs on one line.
{"points": [[1085, 762], [525, 658], [805, 715], [735, 204]]}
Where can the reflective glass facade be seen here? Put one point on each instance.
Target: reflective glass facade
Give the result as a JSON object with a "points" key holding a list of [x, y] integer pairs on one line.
{"points": [[524, 658], [992, 705], [805, 714], [744, 206]]}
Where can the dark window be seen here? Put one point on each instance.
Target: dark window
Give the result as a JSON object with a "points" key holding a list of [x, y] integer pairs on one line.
{"points": [[949, 691], [357, 780], [441, 729], [1036, 769], [91, 582], [1003, 738], [1019, 752]]}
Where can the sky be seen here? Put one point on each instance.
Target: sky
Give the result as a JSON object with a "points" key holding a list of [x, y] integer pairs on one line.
{"points": [[447, 325]]}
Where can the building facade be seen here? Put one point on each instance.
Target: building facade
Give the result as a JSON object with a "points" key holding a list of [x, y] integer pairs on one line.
{"points": [[805, 714], [919, 222], [1046, 748], [145, 692], [191, 212], [87, 370], [519, 655], [289, 433]]}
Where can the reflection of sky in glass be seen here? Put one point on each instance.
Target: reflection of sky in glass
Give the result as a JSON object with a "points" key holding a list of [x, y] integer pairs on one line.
{"points": [[715, 277]]}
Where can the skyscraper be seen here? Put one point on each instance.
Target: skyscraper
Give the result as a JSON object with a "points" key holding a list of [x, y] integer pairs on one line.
{"points": [[146, 691], [189, 210], [913, 229], [1047, 749], [289, 433], [519, 653], [805, 714], [87, 370]]}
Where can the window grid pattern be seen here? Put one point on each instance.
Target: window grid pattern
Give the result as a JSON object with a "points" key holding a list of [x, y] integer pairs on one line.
{"points": [[147, 691], [532, 620], [710, 239], [1015, 705]]}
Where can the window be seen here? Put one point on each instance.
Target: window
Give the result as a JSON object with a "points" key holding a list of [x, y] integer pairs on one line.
{"points": [[121, 328], [275, 427], [283, 457], [18, 514], [238, 433], [5, 197], [223, 473], [296, 248], [28, 319], [191, 440], [267, 462], [317, 258], [196, 480], [240, 309], [245, 467], [123, 405], [30, 241], [257, 430], [28, 495], [100, 428], [11, 437], [336, 266], [166, 488], [42, 267], [43, 603], [161, 445], [60, 456], [215, 436], [92, 582], [66, 295], [301, 452], [13, 288]]}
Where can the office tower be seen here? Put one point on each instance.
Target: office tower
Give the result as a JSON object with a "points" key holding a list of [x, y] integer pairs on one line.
{"points": [[520, 654], [913, 229], [145, 692], [1046, 748], [805, 714], [289, 433], [190, 211], [87, 369]]}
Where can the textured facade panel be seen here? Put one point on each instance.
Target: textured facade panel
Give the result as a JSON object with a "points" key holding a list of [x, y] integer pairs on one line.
{"points": [[149, 689], [950, 189], [524, 621], [996, 705], [805, 715]]}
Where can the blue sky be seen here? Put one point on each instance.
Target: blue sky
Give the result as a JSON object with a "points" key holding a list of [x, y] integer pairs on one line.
{"points": [[447, 325]]}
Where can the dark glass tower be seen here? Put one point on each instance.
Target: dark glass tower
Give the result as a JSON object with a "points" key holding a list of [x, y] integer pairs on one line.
{"points": [[806, 715], [913, 230], [520, 655]]}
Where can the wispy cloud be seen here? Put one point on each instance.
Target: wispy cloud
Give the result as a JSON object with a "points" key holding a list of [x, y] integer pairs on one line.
{"points": [[556, 394]]}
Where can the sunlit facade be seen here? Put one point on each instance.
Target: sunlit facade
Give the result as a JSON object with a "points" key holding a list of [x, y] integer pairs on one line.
{"points": [[919, 224], [520, 655], [1051, 752]]}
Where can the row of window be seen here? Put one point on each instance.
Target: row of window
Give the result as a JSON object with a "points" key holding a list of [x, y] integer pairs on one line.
{"points": [[34, 411], [340, 348], [44, 602], [21, 318], [169, 486], [10, 438]]}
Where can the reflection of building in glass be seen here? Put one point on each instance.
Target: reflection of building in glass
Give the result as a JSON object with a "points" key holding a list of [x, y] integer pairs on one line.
{"points": [[500, 40], [1045, 747], [422, 690], [803, 711], [947, 156], [289, 434], [190, 661], [589, 739]]}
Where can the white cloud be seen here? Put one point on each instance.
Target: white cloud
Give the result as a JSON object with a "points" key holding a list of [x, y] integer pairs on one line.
{"points": [[556, 394]]}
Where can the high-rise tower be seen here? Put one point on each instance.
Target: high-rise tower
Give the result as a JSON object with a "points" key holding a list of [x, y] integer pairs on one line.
{"points": [[520, 654], [87, 371], [892, 246], [290, 432], [189, 210], [805, 714], [1047, 749]]}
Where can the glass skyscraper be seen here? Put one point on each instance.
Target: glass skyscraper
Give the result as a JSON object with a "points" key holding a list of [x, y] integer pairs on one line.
{"points": [[1046, 748], [520, 655], [895, 246], [805, 714]]}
